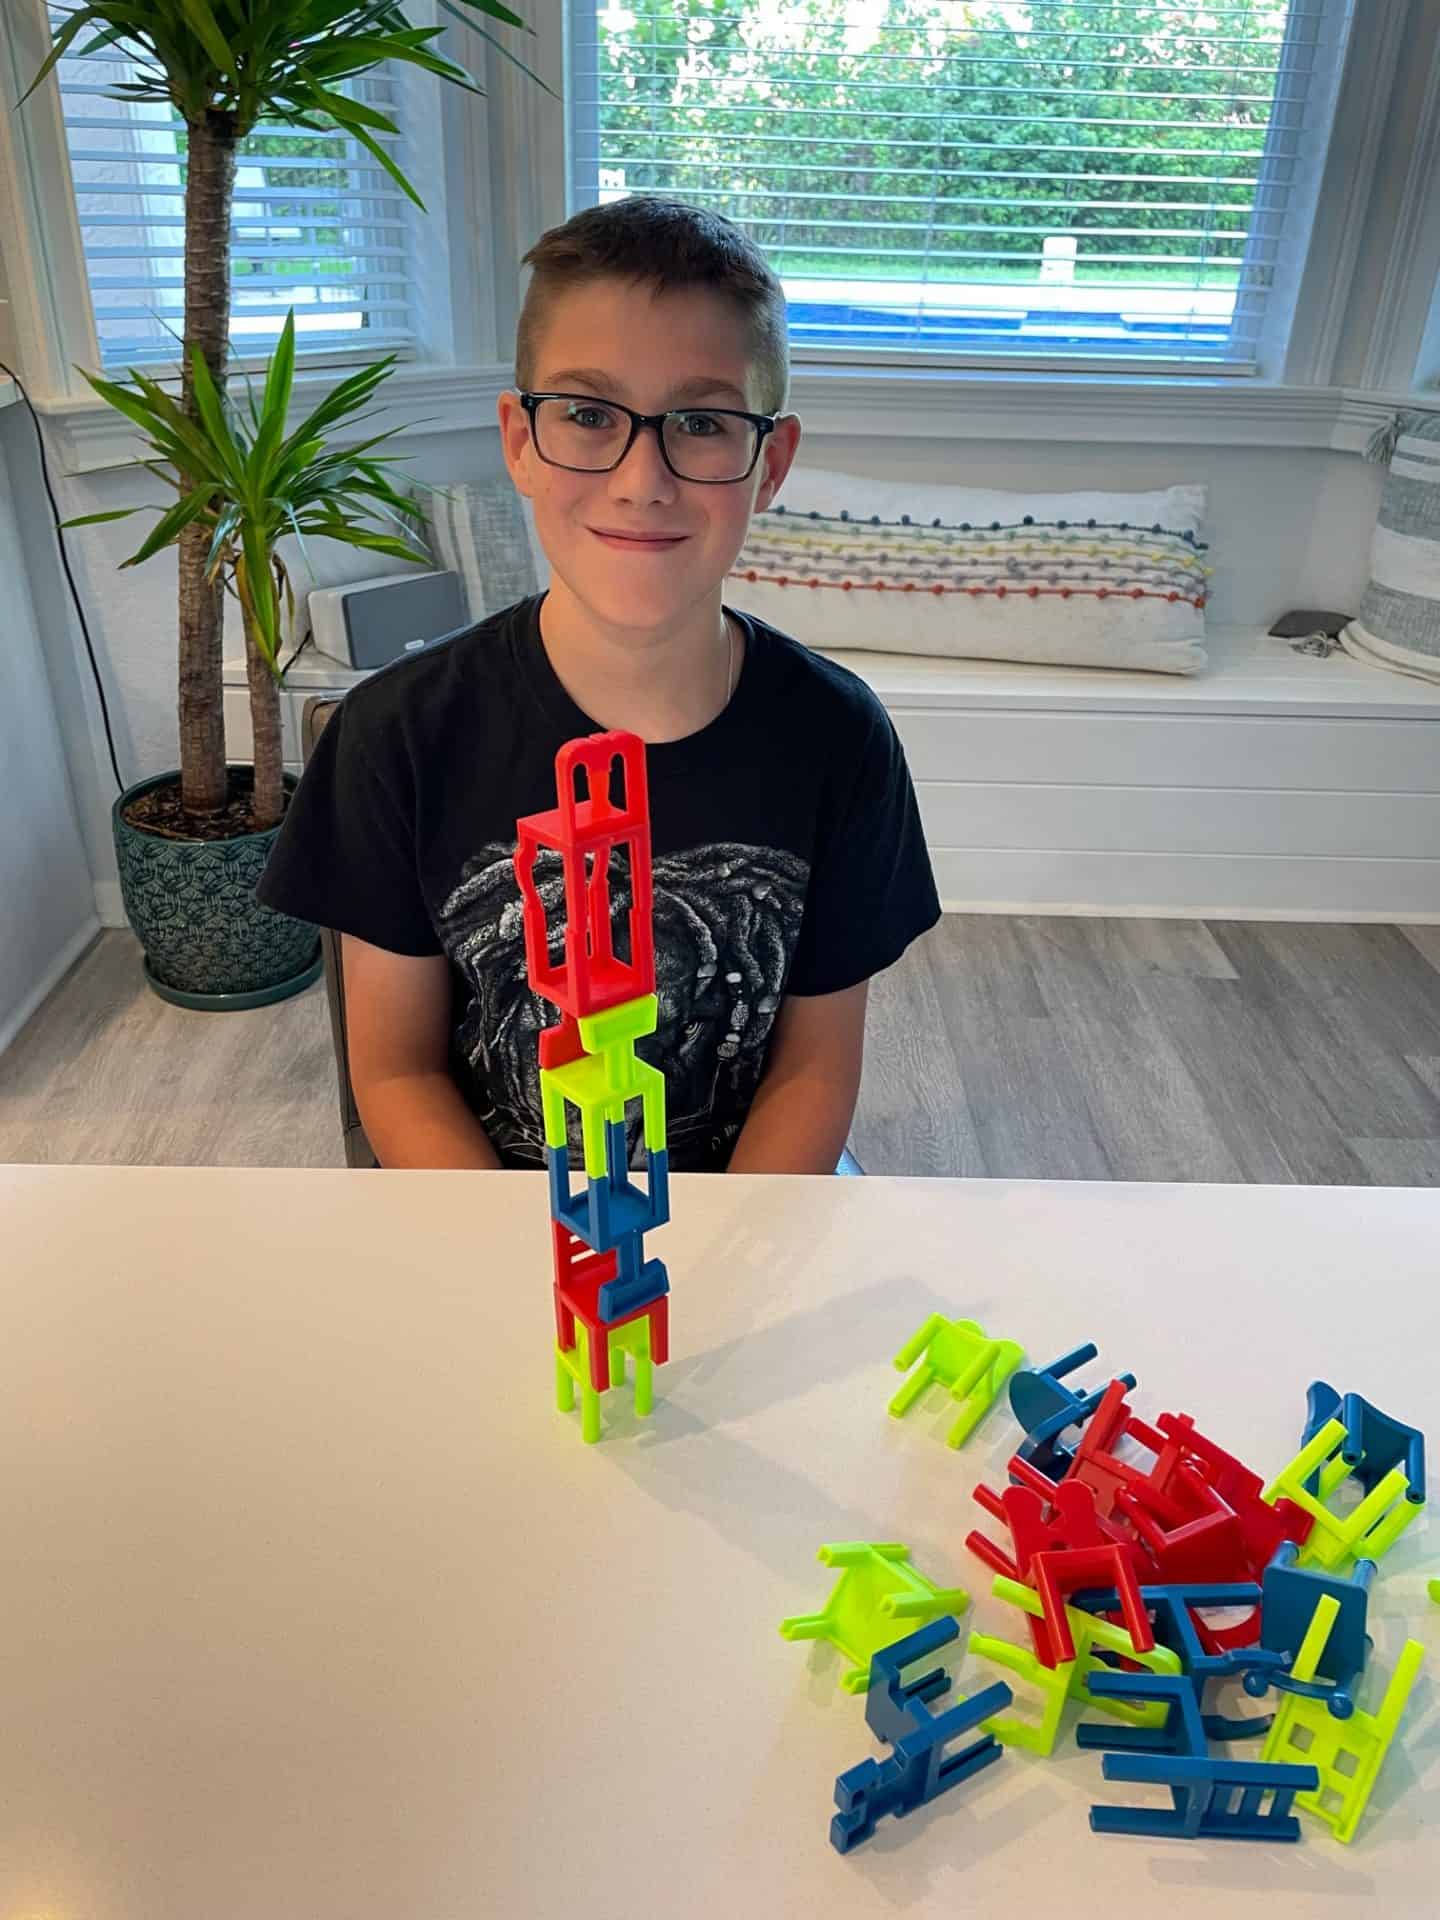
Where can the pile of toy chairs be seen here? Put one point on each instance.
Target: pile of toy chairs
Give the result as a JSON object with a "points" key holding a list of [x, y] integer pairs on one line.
{"points": [[1145, 1563]]}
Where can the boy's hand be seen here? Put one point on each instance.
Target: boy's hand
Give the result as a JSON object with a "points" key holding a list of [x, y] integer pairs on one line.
{"points": [[397, 1023], [801, 1114]]}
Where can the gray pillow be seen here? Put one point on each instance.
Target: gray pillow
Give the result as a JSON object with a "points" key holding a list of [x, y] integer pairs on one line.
{"points": [[481, 531]]}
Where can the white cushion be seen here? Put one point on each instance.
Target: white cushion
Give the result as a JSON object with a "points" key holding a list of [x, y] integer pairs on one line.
{"points": [[1068, 579]]}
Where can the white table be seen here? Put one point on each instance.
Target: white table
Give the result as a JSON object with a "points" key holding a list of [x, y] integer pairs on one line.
{"points": [[313, 1608]]}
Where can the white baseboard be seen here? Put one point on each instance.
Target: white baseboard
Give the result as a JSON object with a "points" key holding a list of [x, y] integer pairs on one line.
{"points": [[1073, 910], [49, 980], [1186, 886], [108, 904]]}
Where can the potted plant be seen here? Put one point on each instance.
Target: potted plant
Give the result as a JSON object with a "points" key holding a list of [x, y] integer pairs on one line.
{"points": [[242, 484], [226, 66]]}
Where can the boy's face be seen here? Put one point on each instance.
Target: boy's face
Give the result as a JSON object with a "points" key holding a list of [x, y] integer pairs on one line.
{"points": [[619, 341]]}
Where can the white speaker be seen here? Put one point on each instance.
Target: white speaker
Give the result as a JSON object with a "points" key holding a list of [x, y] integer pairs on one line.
{"points": [[369, 622]]}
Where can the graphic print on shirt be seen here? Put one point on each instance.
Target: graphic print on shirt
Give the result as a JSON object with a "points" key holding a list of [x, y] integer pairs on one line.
{"points": [[727, 917]]}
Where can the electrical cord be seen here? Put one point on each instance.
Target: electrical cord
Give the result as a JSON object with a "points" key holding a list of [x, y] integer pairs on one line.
{"points": [[309, 636], [69, 576]]}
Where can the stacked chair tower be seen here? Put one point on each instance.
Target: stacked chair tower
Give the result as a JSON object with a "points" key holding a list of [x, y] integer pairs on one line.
{"points": [[611, 1302]]}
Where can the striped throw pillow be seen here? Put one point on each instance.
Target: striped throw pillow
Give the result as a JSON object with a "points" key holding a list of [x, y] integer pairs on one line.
{"points": [[1398, 625]]}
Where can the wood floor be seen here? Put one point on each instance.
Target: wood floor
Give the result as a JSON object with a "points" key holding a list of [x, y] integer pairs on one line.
{"points": [[1009, 1047]]}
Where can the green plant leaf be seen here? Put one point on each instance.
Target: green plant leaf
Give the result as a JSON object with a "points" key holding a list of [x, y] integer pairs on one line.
{"points": [[76, 23], [132, 405], [222, 538], [299, 534], [222, 447], [281, 376], [103, 40], [349, 113], [116, 513], [374, 148], [494, 11], [274, 408], [360, 54], [503, 51], [374, 542], [261, 591], [346, 398], [169, 528], [207, 32]]}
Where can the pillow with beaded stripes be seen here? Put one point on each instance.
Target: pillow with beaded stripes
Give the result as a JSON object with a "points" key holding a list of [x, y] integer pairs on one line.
{"points": [[1067, 579]]}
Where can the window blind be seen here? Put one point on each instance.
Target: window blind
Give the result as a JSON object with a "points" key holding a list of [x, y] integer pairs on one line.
{"points": [[316, 224], [1116, 180]]}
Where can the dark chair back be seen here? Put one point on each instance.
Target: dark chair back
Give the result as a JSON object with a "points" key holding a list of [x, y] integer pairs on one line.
{"points": [[358, 1151]]}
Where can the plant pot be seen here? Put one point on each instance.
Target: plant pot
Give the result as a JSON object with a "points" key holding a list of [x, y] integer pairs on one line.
{"points": [[208, 942]]}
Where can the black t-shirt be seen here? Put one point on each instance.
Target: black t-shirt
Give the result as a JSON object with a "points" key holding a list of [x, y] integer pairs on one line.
{"points": [[787, 850]]}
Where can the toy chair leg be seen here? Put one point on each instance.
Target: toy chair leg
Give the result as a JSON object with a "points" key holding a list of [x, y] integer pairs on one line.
{"points": [[1393, 1488], [660, 1330], [991, 1556], [854, 1553], [918, 1606], [1052, 1683], [589, 1415], [918, 1342], [805, 1626], [910, 1391], [564, 1387], [598, 1344], [644, 1384], [564, 1322], [974, 1412]]}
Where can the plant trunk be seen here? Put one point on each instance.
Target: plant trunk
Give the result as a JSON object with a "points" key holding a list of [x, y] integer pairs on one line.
{"points": [[209, 190], [268, 802]]}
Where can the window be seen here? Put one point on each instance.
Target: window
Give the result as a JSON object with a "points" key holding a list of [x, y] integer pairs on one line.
{"points": [[1118, 180], [316, 224]]}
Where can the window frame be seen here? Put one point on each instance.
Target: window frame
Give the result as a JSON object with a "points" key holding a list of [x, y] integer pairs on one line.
{"points": [[451, 142], [1337, 31]]}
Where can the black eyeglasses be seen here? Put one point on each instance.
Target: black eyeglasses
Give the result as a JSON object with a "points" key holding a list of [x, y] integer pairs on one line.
{"points": [[714, 446]]}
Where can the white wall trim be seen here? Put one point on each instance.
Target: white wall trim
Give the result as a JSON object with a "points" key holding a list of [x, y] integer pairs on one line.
{"points": [[109, 907], [898, 403], [90, 436], [1229, 910], [53, 975]]}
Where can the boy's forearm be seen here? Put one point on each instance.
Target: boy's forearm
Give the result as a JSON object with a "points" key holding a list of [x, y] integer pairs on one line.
{"points": [[421, 1120], [795, 1125]]}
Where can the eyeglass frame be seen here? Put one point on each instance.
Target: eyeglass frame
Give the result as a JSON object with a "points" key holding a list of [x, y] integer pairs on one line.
{"points": [[763, 423]]}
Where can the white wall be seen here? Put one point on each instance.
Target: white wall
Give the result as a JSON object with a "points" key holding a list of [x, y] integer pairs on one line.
{"points": [[1289, 527], [47, 904]]}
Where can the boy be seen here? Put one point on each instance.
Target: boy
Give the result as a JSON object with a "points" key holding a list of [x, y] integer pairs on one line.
{"points": [[789, 864]]}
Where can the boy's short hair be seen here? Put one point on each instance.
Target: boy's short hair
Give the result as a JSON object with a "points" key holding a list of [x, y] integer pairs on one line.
{"points": [[671, 245]]}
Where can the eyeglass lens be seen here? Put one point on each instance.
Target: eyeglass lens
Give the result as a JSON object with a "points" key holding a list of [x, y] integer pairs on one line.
{"points": [[590, 436]]}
